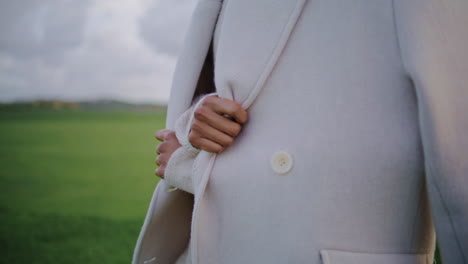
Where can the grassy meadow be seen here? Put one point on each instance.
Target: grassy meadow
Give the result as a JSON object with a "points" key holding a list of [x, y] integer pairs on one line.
{"points": [[74, 184]]}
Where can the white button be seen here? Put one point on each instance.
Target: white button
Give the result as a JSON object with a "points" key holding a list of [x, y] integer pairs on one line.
{"points": [[281, 162]]}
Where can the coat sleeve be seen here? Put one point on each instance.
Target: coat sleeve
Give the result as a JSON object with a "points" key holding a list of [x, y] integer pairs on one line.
{"points": [[433, 40], [179, 168]]}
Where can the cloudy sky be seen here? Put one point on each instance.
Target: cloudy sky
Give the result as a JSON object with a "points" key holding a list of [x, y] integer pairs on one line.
{"points": [[90, 49]]}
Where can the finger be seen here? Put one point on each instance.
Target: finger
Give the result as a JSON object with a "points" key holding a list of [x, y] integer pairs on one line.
{"points": [[161, 147], [157, 161], [163, 159], [211, 133], [158, 148], [161, 134], [170, 135], [224, 106], [160, 172], [204, 144], [219, 122]]}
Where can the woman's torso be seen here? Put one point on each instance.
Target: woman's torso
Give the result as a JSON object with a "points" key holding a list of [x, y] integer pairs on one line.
{"points": [[339, 103]]}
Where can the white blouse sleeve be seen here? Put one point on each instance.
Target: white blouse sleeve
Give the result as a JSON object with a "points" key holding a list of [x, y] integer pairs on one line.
{"points": [[179, 169]]}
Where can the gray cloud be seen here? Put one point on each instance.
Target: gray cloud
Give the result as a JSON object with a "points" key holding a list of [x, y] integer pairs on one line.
{"points": [[89, 49], [164, 24], [46, 28]]}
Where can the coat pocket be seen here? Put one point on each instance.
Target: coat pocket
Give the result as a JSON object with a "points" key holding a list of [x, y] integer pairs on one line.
{"points": [[329, 256]]}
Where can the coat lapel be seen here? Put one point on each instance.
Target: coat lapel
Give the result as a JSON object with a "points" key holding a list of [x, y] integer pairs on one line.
{"points": [[191, 58], [251, 40]]}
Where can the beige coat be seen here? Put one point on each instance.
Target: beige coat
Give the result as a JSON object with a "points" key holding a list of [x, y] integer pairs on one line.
{"points": [[358, 130]]}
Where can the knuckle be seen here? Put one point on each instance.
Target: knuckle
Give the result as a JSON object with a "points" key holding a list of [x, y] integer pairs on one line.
{"points": [[214, 148], [236, 128], [160, 173], [160, 161], [194, 140], [162, 147], [230, 109], [196, 125], [239, 116], [208, 149], [226, 141], [164, 159], [197, 145], [236, 106], [200, 113], [160, 134], [207, 101], [191, 137], [218, 149], [243, 116], [171, 135], [229, 141]]}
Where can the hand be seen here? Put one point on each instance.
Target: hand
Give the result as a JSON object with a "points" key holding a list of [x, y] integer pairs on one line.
{"points": [[216, 122], [165, 149]]}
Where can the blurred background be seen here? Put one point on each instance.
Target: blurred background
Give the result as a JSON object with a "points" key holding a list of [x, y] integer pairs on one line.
{"points": [[83, 87]]}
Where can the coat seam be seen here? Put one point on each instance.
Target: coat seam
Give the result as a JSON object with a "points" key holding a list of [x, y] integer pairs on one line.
{"points": [[398, 42]]}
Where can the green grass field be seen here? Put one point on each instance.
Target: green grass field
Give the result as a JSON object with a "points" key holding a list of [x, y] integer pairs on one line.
{"points": [[74, 185]]}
